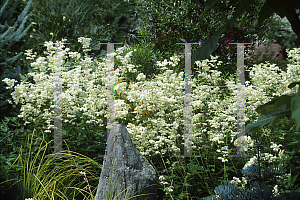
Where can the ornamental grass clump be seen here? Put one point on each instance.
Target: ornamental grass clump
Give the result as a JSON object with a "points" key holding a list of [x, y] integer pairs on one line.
{"points": [[68, 176], [152, 110], [50, 176]]}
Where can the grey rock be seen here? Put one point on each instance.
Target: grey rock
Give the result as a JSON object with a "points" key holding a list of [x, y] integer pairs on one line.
{"points": [[131, 173]]}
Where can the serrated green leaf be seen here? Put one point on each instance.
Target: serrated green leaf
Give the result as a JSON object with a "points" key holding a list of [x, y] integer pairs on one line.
{"points": [[268, 119]]}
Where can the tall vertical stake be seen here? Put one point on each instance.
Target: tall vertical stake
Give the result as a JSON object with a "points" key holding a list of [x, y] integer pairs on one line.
{"points": [[110, 88], [58, 103], [240, 101], [188, 103]]}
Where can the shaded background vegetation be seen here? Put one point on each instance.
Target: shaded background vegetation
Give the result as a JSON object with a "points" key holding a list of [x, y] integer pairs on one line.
{"points": [[162, 24]]}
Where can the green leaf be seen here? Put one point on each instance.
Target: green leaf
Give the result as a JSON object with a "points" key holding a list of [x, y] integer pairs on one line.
{"points": [[211, 44], [243, 5], [296, 108], [275, 104], [209, 3], [196, 168], [294, 178], [291, 85], [265, 13], [187, 184], [268, 119]]}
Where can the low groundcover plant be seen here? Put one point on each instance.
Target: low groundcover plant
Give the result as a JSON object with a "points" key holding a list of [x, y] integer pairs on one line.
{"points": [[152, 110]]}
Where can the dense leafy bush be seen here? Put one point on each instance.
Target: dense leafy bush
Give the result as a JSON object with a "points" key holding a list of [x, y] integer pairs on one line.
{"points": [[155, 124], [54, 20]]}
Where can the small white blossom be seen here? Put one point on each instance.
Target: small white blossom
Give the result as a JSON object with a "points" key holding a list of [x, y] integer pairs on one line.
{"points": [[141, 76], [275, 190], [84, 41], [275, 147], [9, 82]]}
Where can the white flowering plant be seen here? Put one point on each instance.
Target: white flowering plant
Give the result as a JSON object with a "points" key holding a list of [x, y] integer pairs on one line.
{"points": [[270, 167], [259, 173], [151, 110]]}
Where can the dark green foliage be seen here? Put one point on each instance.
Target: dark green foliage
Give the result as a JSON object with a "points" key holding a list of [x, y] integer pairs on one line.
{"points": [[268, 119], [11, 186], [182, 20], [12, 136], [56, 20], [74, 19], [279, 106], [143, 58], [267, 9], [12, 189], [11, 32], [283, 35], [120, 23]]}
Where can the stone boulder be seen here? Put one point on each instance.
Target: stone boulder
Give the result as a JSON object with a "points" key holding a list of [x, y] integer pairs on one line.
{"points": [[131, 173]]}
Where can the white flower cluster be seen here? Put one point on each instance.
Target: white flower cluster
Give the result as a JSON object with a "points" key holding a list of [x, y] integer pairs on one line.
{"points": [[174, 62], [269, 81], [85, 41], [163, 97], [141, 76], [275, 191], [248, 142], [225, 152], [9, 82], [265, 157], [241, 183], [294, 56], [168, 189], [275, 147], [29, 54], [90, 101]]}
